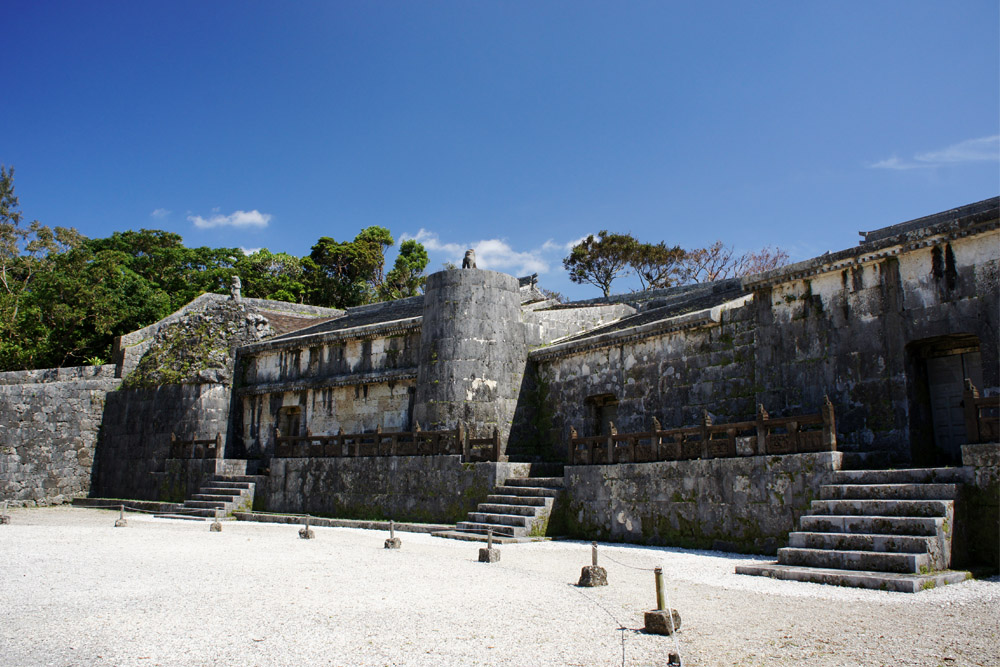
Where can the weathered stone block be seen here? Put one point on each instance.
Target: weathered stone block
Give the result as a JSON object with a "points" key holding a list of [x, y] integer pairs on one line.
{"points": [[393, 543], [662, 621], [593, 575], [489, 555]]}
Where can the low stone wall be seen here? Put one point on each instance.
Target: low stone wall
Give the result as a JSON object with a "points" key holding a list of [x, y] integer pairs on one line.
{"points": [[745, 504], [423, 489], [978, 516], [49, 421]]}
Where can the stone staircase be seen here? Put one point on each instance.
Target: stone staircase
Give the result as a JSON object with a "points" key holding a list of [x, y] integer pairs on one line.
{"points": [[517, 511], [223, 493], [882, 529]]}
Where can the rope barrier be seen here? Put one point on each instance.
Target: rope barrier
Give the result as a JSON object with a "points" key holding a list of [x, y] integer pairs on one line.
{"points": [[138, 510], [604, 554]]}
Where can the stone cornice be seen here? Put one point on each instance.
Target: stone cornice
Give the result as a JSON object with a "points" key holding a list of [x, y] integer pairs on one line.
{"points": [[329, 381], [699, 318], [364, 332], [972, 225]]}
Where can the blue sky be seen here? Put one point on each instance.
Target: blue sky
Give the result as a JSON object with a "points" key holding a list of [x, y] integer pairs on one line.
{"points": [[512, 127]]}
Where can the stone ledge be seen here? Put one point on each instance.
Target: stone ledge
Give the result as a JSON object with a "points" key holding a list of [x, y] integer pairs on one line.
{"points": [[885, 581], [297, 519]]}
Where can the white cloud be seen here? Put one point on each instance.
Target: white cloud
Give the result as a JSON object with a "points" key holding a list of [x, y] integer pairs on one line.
{"points": [[496, 254], [252, 218], [250, 251], [159, 213], [983, 149]]}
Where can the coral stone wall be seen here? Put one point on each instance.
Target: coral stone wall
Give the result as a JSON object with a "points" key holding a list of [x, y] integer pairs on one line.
{"points": [[427, 489], [745, 504], [850, 334], [671, 376], [135, 435], [48, 432]]}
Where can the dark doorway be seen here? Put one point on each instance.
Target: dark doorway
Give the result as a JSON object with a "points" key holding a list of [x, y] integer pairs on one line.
{"points": [[938, 368], [603, 410], [289, 420]]}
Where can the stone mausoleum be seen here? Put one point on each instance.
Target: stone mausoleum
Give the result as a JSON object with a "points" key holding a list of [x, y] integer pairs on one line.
{"points": [[840, 412]]}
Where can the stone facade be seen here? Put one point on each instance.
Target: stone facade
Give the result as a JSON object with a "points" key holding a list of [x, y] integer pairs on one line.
{"points": [[885, 330]]}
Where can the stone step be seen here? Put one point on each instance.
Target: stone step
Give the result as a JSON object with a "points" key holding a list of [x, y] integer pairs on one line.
{"points": [[222, 491], [476, 527], [886, 581], [204, 504], [215, 498], [466, 536], [903, 476], [528, 491], [883, 507], [244, 479], [517, 520], [861, 542], [547, 482], [529, 501], [874, 561], [229, 484], [889, 492], [884, 525], [497, 508]]}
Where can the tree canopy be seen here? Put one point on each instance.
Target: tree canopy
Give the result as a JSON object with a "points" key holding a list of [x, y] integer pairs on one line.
{"points": [[601, 260], [64, 298]]}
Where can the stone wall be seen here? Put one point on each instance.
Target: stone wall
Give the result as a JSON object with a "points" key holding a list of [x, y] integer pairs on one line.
{"points": [[545, 325], [135, 435], [48, 431], [672, 376], [745, 504], [853, 334], [978, 514], [425, 489]]}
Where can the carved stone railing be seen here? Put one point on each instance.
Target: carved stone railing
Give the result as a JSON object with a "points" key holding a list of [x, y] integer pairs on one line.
{"points": [[397, 443], [196, 448], [982, 415], [766, 435]]}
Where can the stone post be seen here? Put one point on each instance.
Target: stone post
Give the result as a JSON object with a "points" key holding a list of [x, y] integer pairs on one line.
{"points": [[762, 418], [829, 425], [593, 574], [393, 542], [971, 411], [661, 621], [489, 554]]}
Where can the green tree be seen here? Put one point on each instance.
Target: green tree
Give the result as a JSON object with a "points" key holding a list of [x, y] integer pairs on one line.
{"points": [[162, 259], [26, 252], [600, 260], [347, 273], [657, 265], [267, 275], [407, 274]]}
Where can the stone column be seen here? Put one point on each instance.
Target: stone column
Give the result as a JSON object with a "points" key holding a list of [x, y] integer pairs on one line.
{"points": [[472, 353]]}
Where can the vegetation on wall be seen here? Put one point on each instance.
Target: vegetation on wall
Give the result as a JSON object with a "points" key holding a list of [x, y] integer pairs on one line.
{"points": [[64, 297]]}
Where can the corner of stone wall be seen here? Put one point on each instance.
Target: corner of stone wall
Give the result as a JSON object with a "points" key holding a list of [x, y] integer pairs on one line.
{"points": [[977, 535]]}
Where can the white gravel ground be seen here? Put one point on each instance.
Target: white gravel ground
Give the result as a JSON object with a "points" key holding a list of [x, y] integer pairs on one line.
{"points": [[74, 590]]}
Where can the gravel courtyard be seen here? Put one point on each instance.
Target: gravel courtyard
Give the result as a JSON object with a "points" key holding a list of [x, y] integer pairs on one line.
{"points": [[74, 590]]}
